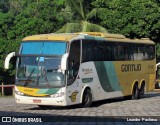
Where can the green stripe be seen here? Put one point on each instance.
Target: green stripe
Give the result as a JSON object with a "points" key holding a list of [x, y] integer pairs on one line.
{"points": [[107, 76], [113, 79], [94, 38], [48, 91]]}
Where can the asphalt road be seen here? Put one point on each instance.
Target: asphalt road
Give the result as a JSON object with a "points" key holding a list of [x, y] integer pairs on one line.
{"points": [[112, 111]]}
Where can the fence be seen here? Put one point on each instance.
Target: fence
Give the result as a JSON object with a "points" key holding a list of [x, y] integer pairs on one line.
{"points": [[7, 86]]}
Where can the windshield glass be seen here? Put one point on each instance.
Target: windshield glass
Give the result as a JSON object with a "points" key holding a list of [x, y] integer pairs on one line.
{"points": [[39, 65], [43, 47]]}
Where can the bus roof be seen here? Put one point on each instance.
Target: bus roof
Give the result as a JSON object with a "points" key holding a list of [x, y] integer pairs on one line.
{"points": [[86, 35], [52, 36]]}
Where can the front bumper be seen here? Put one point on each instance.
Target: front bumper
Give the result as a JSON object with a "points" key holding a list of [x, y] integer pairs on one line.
{"points": [[58, 101]]}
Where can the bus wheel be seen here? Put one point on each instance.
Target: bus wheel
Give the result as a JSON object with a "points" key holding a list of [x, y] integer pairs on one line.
{"points": [[142, 89], [87, 98], [135, 93]]}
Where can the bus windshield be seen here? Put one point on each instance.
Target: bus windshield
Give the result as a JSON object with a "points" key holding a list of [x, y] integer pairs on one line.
{"points": [[43, 48], [39, 64]]}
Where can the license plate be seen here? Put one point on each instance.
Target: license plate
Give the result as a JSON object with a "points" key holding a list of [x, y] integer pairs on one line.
{"points": [[36, 101]]}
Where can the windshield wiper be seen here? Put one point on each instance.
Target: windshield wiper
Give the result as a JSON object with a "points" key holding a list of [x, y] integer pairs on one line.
{"points": [[46, 79], [29, 77]]}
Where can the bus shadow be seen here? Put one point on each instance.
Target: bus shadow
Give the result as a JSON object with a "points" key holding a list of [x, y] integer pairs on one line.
{"points": [[96, 103], [120, 99], [151, 94], [107, 101], [72, 107]]}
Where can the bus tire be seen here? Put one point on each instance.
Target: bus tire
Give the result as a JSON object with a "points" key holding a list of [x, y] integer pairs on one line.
{"points": [[87, 98], [142, 89], [135, 92]]}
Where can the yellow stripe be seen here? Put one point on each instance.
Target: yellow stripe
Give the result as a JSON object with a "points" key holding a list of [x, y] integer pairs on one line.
{"points": [[30, 91]]}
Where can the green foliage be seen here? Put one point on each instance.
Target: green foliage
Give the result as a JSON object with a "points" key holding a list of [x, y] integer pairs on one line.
{"points": [[133, 18], [21, 18], [158, 52], [79, 12]]}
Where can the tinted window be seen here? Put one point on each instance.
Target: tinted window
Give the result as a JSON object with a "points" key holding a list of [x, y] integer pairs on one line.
{"points": [[73, 61], [113, 51]]}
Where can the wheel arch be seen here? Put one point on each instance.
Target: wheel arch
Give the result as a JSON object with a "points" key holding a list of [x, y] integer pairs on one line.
{"points": [[133, 85], [143, 82], [84, 88]]}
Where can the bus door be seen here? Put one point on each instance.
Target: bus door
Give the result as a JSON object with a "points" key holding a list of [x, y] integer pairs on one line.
{"points": [[73, 80]]}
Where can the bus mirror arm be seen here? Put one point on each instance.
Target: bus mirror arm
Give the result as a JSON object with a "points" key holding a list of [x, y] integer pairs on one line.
{"points": [[8, 58], [64, 62], [157, 65]]}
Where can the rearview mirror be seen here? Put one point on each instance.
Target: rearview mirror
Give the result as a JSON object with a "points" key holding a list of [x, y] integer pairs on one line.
{"points": [[64, 62], [8, 58]]}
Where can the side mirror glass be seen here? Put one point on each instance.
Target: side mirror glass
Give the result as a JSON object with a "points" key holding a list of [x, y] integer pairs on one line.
{"points": [[64, 62]]}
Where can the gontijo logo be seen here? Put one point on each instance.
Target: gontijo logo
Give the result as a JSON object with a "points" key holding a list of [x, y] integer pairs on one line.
{"points": [[130, 67], [87, 71]]}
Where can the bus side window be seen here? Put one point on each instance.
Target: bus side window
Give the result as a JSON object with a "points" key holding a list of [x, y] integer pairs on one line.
{"points": [[88, 50], [150, 52]]}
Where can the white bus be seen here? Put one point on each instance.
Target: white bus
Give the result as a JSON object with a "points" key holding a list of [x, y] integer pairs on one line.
{"points": [[79, 68]]}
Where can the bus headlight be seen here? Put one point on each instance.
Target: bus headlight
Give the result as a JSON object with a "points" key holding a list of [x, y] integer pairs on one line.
{"points": [[19, 93], [57, 95]]}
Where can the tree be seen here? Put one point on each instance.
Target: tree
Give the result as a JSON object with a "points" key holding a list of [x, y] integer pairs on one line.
{"points": [[23, 18], [4, 6], [78, 14], [133, 18]]}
